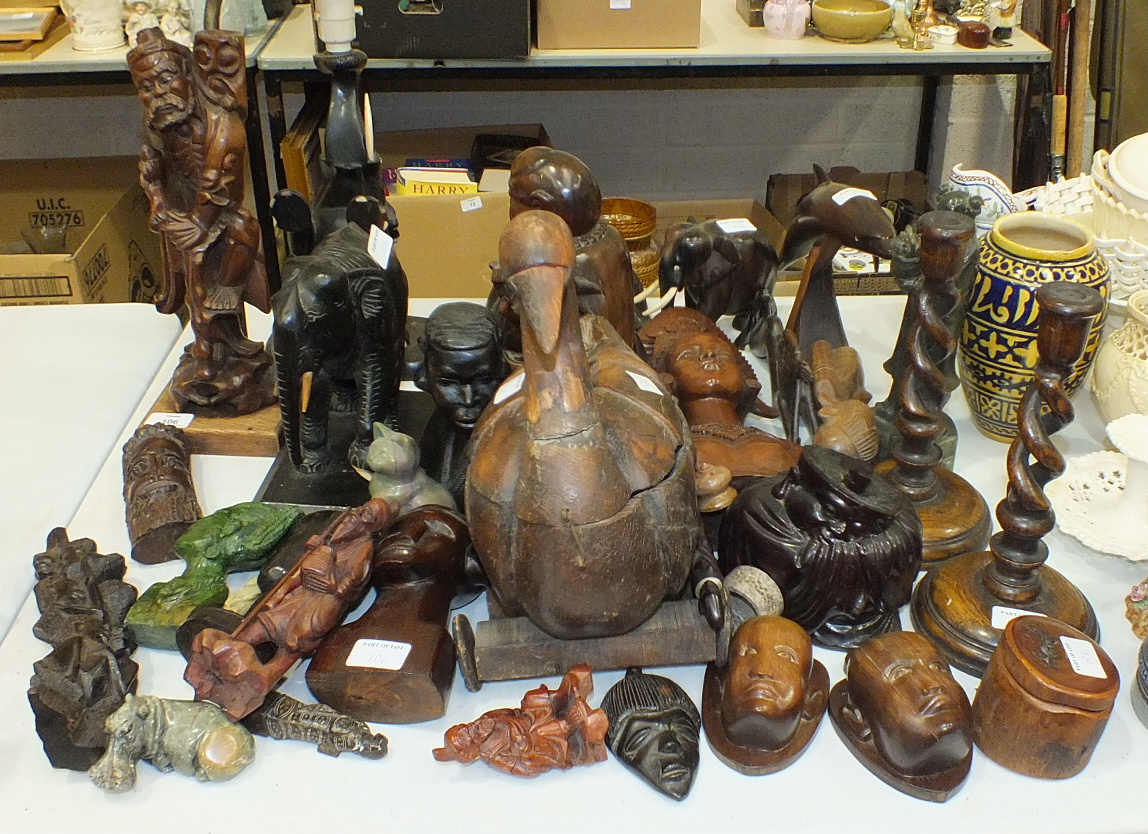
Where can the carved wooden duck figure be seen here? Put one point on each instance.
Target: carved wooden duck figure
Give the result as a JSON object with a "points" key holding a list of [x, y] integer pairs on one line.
{"points": [[580, 493]]}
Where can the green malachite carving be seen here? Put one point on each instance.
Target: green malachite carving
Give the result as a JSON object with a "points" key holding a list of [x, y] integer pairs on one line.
{"points": [[230, 540]]}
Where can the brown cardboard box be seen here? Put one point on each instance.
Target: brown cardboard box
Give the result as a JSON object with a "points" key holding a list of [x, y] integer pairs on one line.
{"points": [[112, 255], [446, 250], [446, 244], [618, 24]]}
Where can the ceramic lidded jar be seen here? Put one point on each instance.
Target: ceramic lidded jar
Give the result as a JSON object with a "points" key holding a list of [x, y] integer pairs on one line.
{"points": [[1045, 698], [998, 352], [786, 19], [1120, 373]]}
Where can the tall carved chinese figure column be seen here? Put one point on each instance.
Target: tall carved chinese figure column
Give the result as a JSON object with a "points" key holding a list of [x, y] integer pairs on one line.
{"points": [[192, 170], [953, 514], [963, 604]]}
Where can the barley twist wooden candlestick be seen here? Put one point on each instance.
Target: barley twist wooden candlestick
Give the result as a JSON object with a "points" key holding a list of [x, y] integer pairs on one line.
{"points": [[954, 515], [963, 604]]}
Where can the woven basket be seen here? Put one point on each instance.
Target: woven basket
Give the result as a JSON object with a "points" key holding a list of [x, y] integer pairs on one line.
{"points": [[645, 262]]}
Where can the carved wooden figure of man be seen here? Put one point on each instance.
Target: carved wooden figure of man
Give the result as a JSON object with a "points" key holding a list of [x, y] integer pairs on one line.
{"points": [[158, 491], [192, 170], [552, 729]]}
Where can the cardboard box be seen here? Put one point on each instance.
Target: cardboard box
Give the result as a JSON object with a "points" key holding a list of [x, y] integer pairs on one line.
{"points": [[446, 244], [445, 29], [112, 255], [619, 24]]}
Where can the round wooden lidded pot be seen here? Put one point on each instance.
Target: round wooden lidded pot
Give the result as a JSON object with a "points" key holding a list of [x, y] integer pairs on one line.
{"points": [[1045, 698]]}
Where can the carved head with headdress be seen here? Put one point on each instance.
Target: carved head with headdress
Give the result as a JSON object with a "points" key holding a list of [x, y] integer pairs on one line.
{"points": [[698, 360], [161, 71]]}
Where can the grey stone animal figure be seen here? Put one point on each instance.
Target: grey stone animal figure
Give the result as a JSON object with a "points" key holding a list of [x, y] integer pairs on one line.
{"points": [[339, 332], [395, 474], [194, 738]]}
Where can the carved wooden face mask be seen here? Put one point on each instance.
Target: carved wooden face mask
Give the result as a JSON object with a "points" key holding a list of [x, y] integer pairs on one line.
{"points": [[915, 710], [654, 729], [765, 685]]}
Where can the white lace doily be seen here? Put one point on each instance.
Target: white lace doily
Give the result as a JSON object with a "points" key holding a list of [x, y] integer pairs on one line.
{"points": [[1090, 499]]}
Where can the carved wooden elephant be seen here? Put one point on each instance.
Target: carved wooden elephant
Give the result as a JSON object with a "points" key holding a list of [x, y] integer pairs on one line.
{"points": [[192, 737], [721, 272], [338, 337]]}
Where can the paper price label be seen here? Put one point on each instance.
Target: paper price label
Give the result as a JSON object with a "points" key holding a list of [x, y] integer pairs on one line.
{"points": [[471, 204], [378, 654], [645, 383], [846, 194], [1082, 657], [1002, 614], [379, 246], [732, 225], [619, 4], [509, 388], [163, 418]]}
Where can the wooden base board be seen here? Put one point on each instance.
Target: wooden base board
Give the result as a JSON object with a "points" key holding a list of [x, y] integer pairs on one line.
{"points": [[252, 435]]}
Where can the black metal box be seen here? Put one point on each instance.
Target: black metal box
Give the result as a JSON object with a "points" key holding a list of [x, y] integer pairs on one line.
{"points": [[445, 28]]}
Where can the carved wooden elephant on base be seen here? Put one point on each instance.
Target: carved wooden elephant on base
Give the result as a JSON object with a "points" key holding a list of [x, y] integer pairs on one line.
{"points": [[722, 269], [192, 737], [339, 332]]}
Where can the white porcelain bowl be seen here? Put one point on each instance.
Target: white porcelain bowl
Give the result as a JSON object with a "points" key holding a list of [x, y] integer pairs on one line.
{"points": [[1128, 169]]}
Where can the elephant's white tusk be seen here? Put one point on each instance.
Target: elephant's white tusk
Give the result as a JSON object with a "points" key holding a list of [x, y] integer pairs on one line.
{"points": [[305, 390], [667, 299], [646, 293]]}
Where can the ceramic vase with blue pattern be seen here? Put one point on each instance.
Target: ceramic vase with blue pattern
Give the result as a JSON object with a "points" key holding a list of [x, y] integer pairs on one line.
{"points": [[998, 349]]}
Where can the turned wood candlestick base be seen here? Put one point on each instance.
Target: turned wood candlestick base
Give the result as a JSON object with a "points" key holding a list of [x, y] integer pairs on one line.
{"points": [[954, 516], [954, 607], [962, 605]]}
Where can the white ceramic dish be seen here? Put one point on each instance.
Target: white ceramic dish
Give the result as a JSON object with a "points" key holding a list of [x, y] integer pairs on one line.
{"points": [[1128, 168]]}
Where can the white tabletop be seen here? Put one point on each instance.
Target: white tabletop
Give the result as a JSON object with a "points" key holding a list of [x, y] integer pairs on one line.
{"points": [[71, 375], [291, 787], [726, 41]]}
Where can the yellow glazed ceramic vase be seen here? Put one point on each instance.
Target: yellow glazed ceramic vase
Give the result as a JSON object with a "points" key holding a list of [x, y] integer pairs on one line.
{"points": [[998, 349]]}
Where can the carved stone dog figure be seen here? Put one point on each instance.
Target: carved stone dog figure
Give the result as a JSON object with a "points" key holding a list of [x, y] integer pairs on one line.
{"points": [[192, 737]]}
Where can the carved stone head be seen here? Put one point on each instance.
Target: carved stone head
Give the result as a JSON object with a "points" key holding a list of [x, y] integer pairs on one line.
{"points": [[654, 729]]}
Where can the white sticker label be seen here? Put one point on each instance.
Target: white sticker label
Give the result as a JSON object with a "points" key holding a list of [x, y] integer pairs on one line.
{"points": [[509, 388], [1083, 657], [731, 225], [619, 4], [846, 194], [645, 383], [471, 204], [1003, 614], [379, 246], [162, 418], [378, 654]]}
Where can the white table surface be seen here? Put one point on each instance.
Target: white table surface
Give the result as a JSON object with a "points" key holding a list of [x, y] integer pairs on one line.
{"points": [[726, 40], [292, 788], [70, 376]]}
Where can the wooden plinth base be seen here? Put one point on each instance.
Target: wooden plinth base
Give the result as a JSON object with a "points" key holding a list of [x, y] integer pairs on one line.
{"points": [[955, 519], [953, 608], [513, 648], [251, 435]]}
